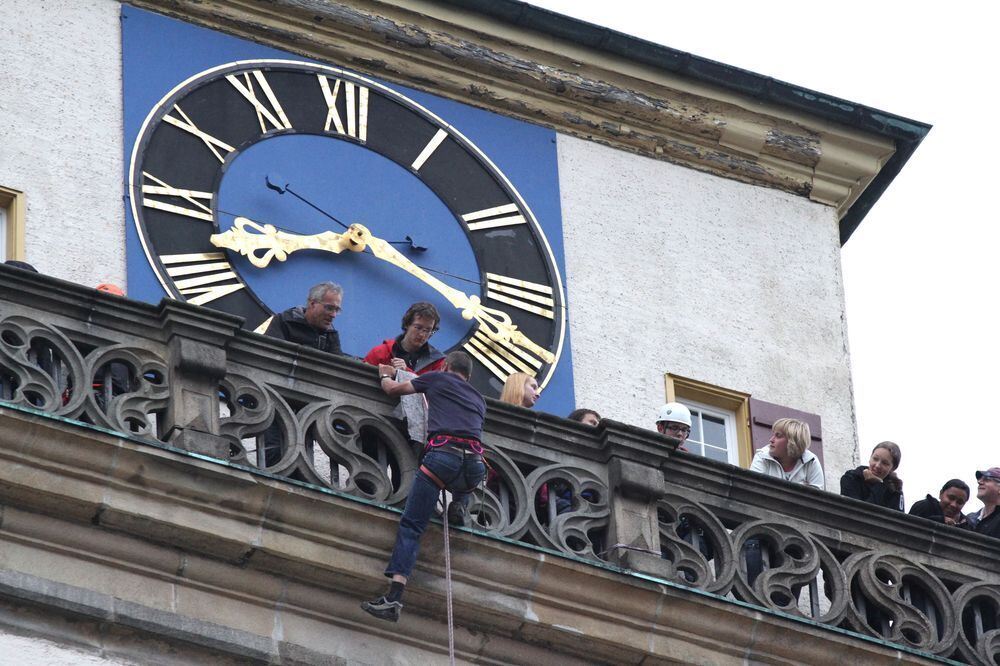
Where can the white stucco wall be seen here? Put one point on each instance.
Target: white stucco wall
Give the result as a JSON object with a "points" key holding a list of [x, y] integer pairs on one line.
{"points": [[672, 270], [61, 133]]}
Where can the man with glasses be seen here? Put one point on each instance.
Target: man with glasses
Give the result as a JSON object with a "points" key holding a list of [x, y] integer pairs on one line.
{"points": [[411, 351], [987, 520], [312, 325]]}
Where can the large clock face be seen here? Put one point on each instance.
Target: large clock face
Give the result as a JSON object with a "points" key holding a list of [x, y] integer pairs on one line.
{"points": [[257, 175]]}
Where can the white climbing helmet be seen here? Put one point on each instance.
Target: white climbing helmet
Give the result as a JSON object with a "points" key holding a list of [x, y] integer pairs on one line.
{"points": [[676, 412]]}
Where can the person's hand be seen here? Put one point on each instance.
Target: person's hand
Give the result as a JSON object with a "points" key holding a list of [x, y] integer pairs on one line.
{"points": [[386, 370], [948, 520], [870, 477], [398, 363]]}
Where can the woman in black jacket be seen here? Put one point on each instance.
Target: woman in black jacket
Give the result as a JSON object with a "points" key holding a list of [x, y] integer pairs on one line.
{"points": [[877, 482], [947, 508]]}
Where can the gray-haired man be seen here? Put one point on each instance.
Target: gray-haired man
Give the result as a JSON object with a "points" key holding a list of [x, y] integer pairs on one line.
{"points": [[312, 324]]}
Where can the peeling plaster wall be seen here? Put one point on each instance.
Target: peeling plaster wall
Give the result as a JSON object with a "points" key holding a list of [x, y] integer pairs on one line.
{"points": [[61, 133], [672, 270]]}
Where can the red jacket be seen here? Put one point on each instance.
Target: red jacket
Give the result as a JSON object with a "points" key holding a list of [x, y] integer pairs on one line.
{"points": [[431, 360]]}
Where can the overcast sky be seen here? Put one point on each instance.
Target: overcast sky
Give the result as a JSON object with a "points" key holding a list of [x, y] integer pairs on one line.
{"points": [[921, 270]]}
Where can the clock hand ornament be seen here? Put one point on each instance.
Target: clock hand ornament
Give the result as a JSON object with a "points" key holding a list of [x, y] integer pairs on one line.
{"points": [[278, 244], [496, 324]]}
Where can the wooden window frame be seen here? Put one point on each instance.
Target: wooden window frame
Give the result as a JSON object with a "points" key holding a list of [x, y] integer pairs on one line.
{"points": [[680, 388], [12, 203]]}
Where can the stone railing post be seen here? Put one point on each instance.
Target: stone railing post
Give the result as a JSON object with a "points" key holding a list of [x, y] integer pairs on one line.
{"points": [[635, 480], [196, 360]]}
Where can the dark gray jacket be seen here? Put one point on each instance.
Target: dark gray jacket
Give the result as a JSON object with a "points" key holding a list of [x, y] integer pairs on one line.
{"points": [[291, 325]]}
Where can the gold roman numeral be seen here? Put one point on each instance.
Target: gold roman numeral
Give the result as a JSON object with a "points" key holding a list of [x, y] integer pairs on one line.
{"points": [[201, 211], [529, 296], [501, 358], [274, 115], [214, 279], [488, 218], [429, 149], [184, 122], [355, 108]]}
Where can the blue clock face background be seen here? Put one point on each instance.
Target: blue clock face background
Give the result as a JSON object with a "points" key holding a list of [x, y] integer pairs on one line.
{"points": [[351, 184]]}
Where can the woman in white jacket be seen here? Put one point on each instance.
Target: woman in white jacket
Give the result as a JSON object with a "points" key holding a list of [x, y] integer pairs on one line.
{"points": [[787, 456]]}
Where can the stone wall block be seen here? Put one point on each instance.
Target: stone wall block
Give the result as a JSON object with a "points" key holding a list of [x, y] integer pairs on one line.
{"points": [[633, 532], [196, 359]]}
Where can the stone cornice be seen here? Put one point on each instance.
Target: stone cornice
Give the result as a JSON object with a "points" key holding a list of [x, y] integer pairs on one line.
{"points": [[218, 556], [579, 90]]}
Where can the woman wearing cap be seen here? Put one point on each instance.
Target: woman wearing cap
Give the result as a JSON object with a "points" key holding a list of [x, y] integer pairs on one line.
{"points": [[876, 482], [947, 507]]}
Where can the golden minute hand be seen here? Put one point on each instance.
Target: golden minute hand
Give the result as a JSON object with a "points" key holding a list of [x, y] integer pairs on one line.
{"points": [[495, 323], [276, 244]]}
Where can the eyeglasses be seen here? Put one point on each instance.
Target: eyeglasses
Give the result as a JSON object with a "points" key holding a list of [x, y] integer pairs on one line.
{"points": [[426, 330], [329, 307], [679, 429]]}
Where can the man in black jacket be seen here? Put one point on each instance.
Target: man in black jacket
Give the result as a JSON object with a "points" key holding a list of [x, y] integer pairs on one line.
{"points": [[987, 520], [312, 325]]}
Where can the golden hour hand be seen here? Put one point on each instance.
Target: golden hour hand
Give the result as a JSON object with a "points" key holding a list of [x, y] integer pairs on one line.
{"points": [[496, 324], [276, 244]]}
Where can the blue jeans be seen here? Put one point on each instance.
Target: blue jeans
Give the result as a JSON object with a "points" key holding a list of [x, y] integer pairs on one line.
{"points": [[460, 474]]}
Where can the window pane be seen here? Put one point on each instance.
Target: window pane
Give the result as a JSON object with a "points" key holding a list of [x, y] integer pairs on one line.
{"points": [[3, 233], [715, 430], [716, 454], [695, 425]]}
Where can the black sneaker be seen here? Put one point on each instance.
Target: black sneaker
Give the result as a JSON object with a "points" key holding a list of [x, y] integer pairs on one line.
{"points": [[383, 609], [458, 514]]}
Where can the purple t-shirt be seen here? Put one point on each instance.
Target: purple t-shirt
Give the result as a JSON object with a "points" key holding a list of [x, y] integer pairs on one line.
{"points": [[454, 407]]}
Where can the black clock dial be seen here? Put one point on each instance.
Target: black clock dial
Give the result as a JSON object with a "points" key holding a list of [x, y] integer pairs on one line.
{"points": [[195, 133]]}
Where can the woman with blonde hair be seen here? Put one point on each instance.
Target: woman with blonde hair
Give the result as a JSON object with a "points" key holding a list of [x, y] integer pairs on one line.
{"points": [[520, 389], [787, 455]]}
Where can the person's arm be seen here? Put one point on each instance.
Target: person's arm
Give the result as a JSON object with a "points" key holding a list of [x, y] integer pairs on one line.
{"points": [[334, 337], [758, 465], [814, 475], [275, 329], [374, 356], [391, 387], [929, 509], [851, 485]]}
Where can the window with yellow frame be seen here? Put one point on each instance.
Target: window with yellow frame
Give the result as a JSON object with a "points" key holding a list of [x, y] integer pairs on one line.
{"points": [[721, 419], [11, 224]]}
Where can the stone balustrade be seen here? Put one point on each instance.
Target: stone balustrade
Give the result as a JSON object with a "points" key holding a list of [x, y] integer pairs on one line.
{"points": [[192, 379]]}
